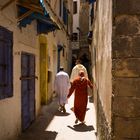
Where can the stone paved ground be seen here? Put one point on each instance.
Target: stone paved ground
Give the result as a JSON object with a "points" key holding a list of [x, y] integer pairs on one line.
{"points": [[54, 125]]}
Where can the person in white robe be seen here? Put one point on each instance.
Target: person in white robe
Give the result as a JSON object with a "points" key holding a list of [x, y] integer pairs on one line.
{"points": [[61, 88], [76, 69]]}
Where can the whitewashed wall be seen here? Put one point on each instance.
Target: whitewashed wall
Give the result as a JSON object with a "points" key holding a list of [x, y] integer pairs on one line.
{"points": [[23, 40]]}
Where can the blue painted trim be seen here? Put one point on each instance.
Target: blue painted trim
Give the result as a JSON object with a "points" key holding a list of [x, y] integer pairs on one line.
{"points": [[44, 22]]}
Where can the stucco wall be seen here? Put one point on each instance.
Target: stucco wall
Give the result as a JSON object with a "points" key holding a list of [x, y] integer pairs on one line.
{"points": [[63, 35], [102, 43], [53, 39], [126, 69], [23, 40], [84, 19]]}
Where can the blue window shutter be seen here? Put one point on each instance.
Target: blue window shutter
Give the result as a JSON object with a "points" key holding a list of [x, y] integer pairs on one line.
{"points": [[92, 1], [6, 63], [2, 70], [9, 70]]}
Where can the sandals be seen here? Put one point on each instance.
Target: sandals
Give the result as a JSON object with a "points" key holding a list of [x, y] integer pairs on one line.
{"points": [[62, 109], [76, 121]]}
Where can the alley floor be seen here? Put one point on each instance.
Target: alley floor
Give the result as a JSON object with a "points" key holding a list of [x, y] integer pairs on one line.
{"points": [[54, 125]]}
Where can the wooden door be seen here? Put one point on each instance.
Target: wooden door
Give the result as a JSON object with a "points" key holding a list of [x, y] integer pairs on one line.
{"points": [[27, 89]]}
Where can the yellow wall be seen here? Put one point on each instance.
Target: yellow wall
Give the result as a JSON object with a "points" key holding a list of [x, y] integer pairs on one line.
{"points": [[44, 69]]}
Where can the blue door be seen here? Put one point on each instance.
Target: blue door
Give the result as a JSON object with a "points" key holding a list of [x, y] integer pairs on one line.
{"points": [[27, 89]]}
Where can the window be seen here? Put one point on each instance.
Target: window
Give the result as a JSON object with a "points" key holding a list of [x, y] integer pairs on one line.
{"points": [[74, 7], [74, 36], [6, 63], [90, 34]]}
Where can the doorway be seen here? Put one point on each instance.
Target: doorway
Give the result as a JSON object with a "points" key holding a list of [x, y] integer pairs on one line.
{"points": [[27, 89]]}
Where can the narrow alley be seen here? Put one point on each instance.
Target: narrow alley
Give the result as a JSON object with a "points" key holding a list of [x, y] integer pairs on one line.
{"points": [[40, 37], [54, 125]]}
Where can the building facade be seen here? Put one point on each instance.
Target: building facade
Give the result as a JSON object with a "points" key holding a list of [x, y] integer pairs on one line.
{"points": [[33, 45], [115, 46]]}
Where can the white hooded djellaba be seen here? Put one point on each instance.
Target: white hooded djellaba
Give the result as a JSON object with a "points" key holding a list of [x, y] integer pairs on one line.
{"points": [[75, 71], [61, 86]]}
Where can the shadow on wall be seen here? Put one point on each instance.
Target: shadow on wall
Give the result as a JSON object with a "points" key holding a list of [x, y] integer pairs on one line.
{"points": [[37, 131]]}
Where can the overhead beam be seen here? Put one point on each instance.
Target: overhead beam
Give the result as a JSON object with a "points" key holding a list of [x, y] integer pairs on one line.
{"points": [[25, 15], [53, 15], [32, 7], [6, 4]]}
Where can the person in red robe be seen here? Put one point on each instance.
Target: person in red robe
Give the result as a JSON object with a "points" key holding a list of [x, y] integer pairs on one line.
{"points": [[79, 85]]}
